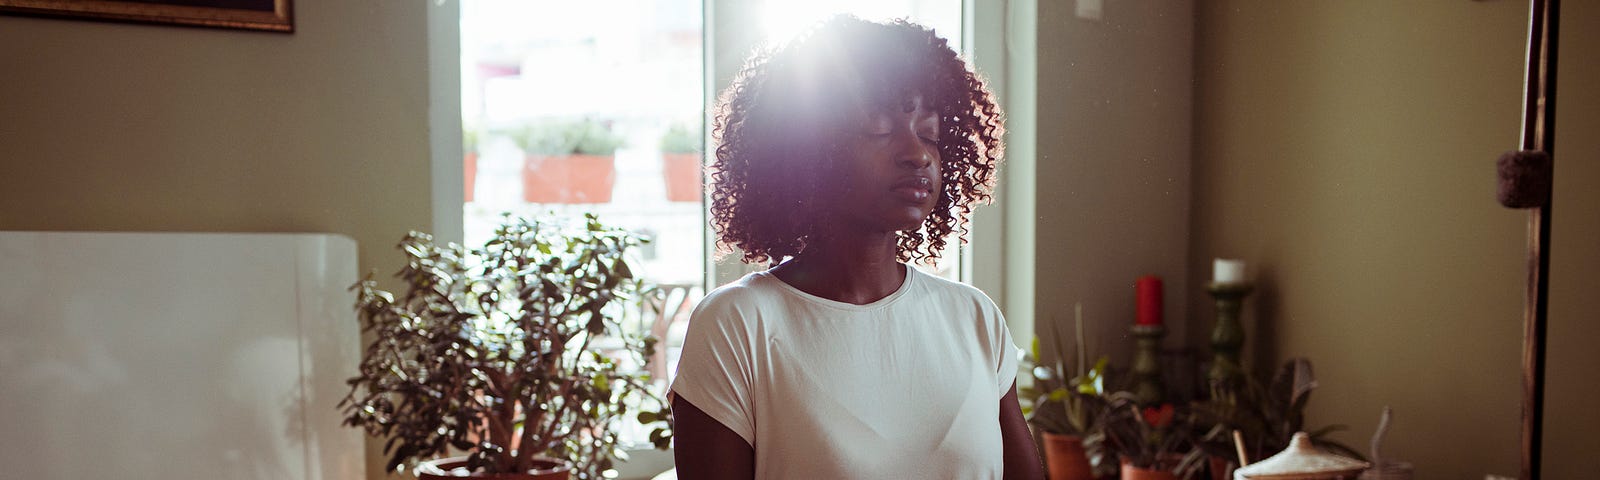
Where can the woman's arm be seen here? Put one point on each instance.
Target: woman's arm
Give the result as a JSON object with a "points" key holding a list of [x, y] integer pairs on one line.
{"points": [[1021, 457], [704, 449]]}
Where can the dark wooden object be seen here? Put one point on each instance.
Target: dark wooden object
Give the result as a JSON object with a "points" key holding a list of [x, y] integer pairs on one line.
{"points": [[1527, 182]]}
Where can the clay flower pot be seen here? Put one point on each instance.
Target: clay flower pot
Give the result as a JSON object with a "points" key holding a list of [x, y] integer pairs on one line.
{"points": [[568, 179], [1161, 471], [1064, 457], [682, 172], [1130, 472], [469, 162], [453, 468]]}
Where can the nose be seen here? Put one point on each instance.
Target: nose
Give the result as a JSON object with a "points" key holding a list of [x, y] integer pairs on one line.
{"points": [[913, 153]]}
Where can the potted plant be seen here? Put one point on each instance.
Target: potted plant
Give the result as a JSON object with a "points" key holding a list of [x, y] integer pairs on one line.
{"points": [[469, 160], [680, 162], [1267, 413], [492, 352], [1153, 442], [1066, 404], [568, 161]]}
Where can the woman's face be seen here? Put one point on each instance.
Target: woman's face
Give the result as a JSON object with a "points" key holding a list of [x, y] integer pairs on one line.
{"points": [[888, 174]]}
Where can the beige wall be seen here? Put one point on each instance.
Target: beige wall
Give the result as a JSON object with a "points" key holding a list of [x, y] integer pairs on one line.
{"points": [[1113, 165], [120, 127], [1346, 149], [125, 127]]}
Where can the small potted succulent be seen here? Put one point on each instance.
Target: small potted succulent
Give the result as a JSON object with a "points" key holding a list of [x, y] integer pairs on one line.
{"points": [[568, 161], [680, 162], [496, 352]]}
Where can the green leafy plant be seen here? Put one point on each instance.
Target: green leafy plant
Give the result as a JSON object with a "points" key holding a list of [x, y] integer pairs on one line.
{"points": [[1058, 404], [1152, 437], [567, 137], [1266, 413], [681, 138], [1068, 397], [495, 350], [469, 140]]}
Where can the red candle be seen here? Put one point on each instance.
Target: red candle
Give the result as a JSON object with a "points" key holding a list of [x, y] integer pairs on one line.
{"points": [[1148, 290]]}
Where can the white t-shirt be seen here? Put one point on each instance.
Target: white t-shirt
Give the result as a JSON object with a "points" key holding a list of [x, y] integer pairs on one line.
{"points": [[905, 387]]}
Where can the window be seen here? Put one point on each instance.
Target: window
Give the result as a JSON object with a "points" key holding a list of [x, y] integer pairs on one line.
{"points": [[574, 107], [591, 107]]}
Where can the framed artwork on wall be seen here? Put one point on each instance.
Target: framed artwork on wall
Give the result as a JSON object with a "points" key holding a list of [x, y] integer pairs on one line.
{"points": [[269, 15]]}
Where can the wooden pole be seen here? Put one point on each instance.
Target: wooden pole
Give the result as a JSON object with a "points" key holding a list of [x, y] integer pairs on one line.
{"points": [[1538, 134]]}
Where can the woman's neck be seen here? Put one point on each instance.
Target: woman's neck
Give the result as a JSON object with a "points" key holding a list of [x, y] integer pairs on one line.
{"points": [[857, 271]]}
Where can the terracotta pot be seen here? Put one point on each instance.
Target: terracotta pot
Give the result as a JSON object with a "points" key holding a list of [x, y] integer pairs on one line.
{"points": [[470, 173], [1221, 467], [1131, 472], [1064, 457], [682, 172], [568, 179], [440, 469]]}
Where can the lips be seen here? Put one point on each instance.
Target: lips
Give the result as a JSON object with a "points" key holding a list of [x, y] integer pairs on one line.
{"points": [[914, 188]]}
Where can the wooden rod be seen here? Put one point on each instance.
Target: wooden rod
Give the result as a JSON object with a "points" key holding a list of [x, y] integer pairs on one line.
{"points": [[1538, 134]]}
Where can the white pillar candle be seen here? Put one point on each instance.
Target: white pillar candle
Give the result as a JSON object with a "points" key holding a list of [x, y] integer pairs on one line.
{"points": [[1227, 271]]}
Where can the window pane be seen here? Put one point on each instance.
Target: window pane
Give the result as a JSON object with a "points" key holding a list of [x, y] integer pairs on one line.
{"points": [[592, 107], [574, 107]]}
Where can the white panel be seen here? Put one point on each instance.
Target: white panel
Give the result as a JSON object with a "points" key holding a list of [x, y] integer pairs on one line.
{"points": [[330, 352], [175, 355]]}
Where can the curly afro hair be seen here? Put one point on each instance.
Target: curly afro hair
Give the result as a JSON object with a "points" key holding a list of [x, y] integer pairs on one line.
{"points": [[778, 129]]}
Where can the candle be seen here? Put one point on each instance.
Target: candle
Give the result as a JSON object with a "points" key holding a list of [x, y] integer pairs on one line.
{"points": [[1148, 291], [1227, 271]]}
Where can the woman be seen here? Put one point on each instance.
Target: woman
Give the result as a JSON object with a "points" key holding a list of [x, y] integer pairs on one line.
{"points": [[845, 153]]}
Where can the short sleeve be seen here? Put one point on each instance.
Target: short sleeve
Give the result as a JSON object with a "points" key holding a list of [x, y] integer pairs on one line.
{"points": [[714, 368], [1008, 353]]}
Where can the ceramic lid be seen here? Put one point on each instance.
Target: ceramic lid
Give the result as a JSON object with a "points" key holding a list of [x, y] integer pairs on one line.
{"points": [[1299, 459]]}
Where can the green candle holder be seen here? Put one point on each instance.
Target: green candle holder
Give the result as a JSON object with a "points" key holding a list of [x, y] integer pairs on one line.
{"points": [[1227, 337], [1147, 364]]}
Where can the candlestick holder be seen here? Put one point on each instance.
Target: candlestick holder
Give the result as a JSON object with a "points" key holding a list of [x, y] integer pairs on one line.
{"points": [[1227, 336], [1147, 364]]}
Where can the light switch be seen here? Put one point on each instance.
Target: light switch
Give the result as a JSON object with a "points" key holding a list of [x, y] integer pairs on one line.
{"points": [[1090, 9]]}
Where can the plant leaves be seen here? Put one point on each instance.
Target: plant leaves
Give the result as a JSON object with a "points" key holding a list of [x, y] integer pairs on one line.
{"points": [[484, 341]]}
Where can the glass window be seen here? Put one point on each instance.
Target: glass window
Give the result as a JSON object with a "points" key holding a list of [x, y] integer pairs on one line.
{"points": [[591, 107], [597, 107]]}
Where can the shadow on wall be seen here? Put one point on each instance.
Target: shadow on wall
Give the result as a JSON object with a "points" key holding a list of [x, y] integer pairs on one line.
{"points": [[1262, 322]]}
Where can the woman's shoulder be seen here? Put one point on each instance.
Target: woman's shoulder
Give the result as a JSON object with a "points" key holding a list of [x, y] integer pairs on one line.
{"points": [[749, 293]]}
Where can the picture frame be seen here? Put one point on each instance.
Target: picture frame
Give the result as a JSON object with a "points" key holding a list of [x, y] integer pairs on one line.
{"points": [[265, 15]]}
